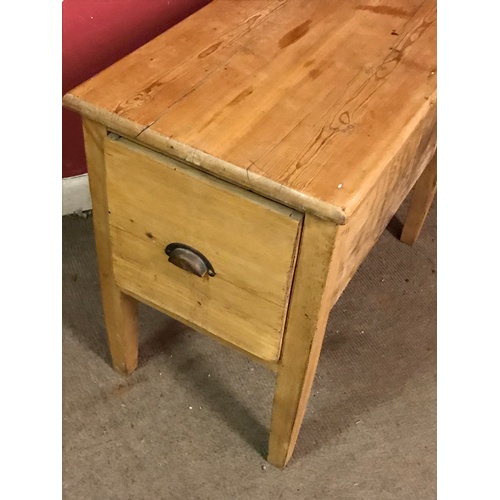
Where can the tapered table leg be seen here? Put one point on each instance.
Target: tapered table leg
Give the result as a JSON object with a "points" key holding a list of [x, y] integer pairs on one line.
{"points": [[308, 315], [423, 194], [120, 310]]}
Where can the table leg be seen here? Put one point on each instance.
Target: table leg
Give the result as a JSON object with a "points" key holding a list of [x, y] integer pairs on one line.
{"points": [[423, 194], [120, 310], [305, 329]]}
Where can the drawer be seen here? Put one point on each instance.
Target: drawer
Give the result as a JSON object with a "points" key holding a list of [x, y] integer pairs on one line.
{"points": [[250, 242]]}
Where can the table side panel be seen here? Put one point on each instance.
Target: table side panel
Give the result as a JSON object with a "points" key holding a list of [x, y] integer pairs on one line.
{"points": [[357, 237]]}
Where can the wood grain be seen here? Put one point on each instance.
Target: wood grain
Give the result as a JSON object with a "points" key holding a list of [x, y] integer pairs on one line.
{"points": [[120, 310], [270, 365], [308, 314], [422, 197], [329, 256], [328, 108], [364, 227], [251, 243], [306, 106]]}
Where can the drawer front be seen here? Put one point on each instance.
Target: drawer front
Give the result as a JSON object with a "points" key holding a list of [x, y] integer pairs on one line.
{"points": [[251, 243]]}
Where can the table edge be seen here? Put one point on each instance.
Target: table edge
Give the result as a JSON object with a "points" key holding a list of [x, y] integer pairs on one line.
{"points": [[206, 162]]}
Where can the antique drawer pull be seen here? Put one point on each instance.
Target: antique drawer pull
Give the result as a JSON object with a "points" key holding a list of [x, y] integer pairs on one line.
{"points": [[189, 259]]}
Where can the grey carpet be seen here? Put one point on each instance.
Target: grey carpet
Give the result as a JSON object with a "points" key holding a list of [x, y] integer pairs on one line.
{"points": [[191, 422]]}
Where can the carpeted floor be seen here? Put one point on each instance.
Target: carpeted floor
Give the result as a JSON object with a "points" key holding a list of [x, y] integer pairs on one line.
{"points": [[191, 422]]}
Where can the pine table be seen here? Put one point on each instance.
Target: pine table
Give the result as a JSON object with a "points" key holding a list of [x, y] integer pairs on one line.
{"points": [[242, 165]]}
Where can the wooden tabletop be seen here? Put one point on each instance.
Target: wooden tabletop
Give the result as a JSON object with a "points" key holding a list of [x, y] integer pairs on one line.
{"points": [[305, 102]]}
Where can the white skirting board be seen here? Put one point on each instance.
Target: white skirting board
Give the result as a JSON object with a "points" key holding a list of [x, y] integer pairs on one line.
{"points": [[76, 194]]}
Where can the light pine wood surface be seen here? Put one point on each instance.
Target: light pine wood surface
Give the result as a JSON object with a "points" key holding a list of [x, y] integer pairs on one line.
{"points": [[251, 243], [309, 309], [424, 192], [355, 239], [120, 310], [326, 107], [305, 104], [329, 257]]}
